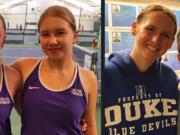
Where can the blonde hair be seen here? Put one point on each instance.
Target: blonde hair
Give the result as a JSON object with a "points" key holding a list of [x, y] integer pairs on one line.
{"points": [[154, 8], [58, 11]]}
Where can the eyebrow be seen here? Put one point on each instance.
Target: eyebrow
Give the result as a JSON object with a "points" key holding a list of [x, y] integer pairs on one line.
{"points": [[59, 29]]}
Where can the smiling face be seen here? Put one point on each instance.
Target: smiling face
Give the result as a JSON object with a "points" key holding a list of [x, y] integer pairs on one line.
{"points": [[57, 38], [154, 36]]}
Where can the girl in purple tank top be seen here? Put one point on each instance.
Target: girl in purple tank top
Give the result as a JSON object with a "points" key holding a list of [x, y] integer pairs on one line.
{"points": [[10, 82], [58, 93]]}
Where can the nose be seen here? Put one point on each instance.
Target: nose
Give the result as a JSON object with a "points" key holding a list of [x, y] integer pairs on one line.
{"points": [[52, 39], [156, 38]]}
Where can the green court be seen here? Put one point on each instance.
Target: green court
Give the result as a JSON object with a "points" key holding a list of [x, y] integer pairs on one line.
{"points": [[16, 122]]}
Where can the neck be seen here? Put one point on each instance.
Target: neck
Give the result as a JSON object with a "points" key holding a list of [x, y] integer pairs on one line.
{"points": [[60, 65], [141, 63]]}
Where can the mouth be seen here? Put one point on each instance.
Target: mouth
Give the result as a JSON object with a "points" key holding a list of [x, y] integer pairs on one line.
{"points": [[54, 48], [152, 48]]}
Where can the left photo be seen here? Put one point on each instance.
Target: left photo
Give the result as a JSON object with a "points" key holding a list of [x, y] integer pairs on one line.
{"points": [[50, 72]]}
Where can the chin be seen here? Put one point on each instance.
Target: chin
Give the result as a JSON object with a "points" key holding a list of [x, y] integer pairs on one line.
{"points": [[55, 58], [152, 58]]}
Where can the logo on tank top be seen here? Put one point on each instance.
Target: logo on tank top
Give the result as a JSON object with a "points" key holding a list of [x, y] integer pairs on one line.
{"points": [[4, 100], [32, 87], [77, 92]]}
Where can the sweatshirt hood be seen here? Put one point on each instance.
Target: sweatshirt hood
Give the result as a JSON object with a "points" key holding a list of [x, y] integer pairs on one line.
{"points": [[123, 60]]}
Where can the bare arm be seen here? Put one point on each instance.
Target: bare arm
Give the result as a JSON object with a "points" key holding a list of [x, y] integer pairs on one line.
{"points": [[90, 83], [18, 93], [22, 66], [18, 96], [15, 84]]}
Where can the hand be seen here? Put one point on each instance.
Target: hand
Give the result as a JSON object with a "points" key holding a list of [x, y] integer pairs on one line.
{"points": [[84, 125]]}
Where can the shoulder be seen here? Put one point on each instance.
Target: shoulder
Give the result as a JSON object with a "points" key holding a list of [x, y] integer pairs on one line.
{"points": [[110, 66], [25, 65], [88, 78], [10, 71], [168, 75], [87, 74], [167, 70], [25, 61], [111, 70], [117, 60], [13, 79]]}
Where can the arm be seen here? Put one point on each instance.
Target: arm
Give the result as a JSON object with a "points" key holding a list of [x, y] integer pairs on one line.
{"points": [[15, 84], [18, 65], [23, 67], [18, 95], [90, 84]]}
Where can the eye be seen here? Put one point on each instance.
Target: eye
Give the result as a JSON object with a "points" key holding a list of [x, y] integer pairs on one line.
{"points": [[44, 34], [165, 36], [60, 33], [150, 29]]}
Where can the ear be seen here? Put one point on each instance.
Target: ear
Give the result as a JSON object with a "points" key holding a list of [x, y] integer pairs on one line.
{"points": [[134, 28], [3, 42], [75, 37]]}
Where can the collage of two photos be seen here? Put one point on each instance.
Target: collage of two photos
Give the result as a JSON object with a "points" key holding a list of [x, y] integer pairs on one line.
{"points": [[89, 67]]}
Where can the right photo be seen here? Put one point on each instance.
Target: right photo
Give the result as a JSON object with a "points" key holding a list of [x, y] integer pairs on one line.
{"points": [[142, 68]]}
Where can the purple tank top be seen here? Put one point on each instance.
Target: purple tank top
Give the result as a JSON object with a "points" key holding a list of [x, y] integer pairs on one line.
{"points": [[6, 104], [48, 112]]}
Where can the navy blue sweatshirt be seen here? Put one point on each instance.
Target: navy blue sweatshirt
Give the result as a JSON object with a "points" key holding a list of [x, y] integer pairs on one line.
{"points": [[139, 103]]}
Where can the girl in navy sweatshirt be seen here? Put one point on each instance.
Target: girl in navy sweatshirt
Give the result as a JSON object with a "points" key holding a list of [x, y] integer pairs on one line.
{"points": [[140, 92]]}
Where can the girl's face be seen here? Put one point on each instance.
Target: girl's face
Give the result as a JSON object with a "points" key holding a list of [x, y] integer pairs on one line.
{"points": [[154, 35], [57, 38]]}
